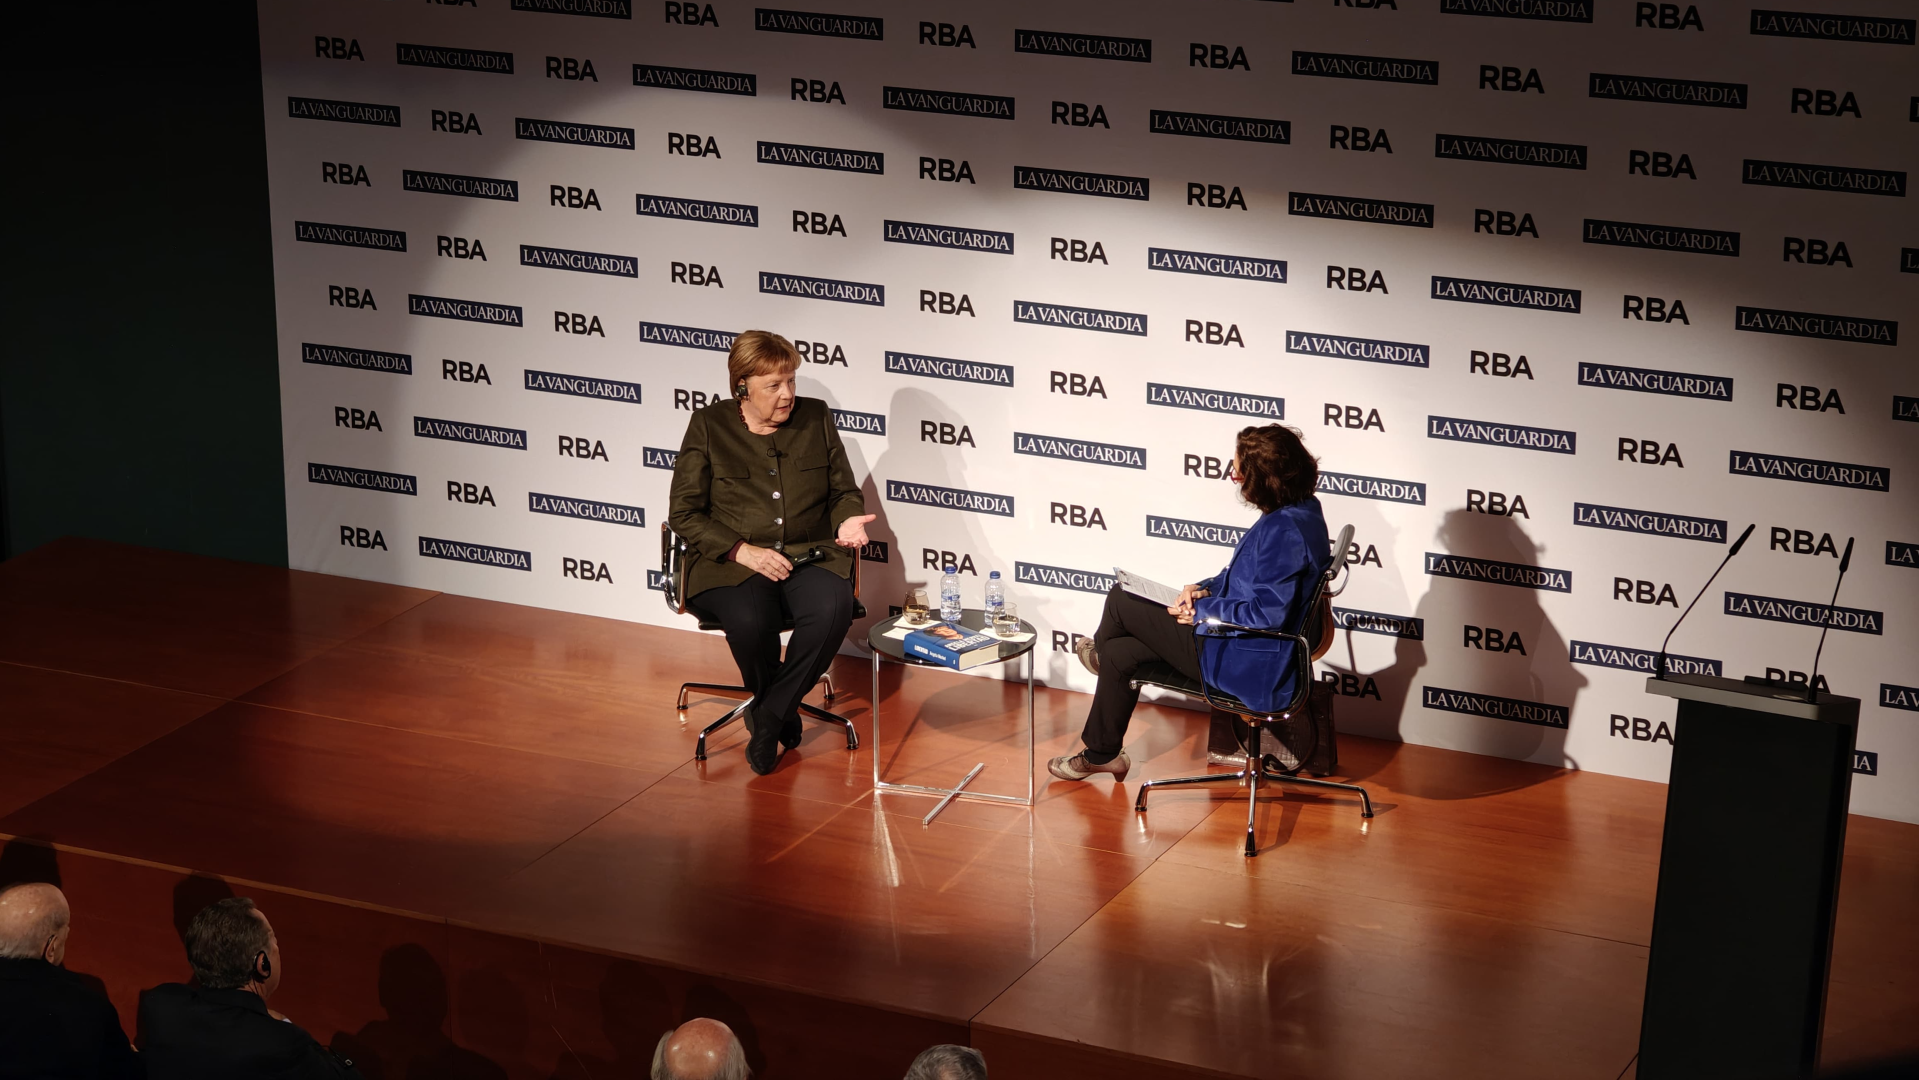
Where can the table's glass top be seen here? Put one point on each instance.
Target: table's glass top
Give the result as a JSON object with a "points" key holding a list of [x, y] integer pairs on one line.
{"points": [[970, 618]]}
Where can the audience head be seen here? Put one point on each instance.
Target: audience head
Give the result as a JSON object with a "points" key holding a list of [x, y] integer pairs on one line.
{"points": [[948, 1062], [700, 1049], [231, 947], [1273, 466], [33, 923]]}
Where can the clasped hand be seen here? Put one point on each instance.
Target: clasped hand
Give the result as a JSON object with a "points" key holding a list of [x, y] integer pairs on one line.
{"points": [[774, 566], [1183, 610]]}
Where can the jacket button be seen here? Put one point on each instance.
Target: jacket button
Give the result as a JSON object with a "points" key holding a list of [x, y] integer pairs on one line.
{"points": [[776, 494], [779, 521]]}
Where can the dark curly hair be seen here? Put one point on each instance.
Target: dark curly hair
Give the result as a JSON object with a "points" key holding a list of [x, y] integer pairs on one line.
{"points": [[1274, 468]]}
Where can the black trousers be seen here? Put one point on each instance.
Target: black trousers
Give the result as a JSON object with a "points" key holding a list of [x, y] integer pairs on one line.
{"points": [[1131, 632], [755, 611]]}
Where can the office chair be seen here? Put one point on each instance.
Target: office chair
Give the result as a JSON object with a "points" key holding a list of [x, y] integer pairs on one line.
{"points": [[673, 553], [1294, 716]]}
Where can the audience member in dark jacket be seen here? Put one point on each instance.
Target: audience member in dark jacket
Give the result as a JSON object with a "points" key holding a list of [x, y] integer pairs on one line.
{"points": [[51, 1023], [222, 1029]]}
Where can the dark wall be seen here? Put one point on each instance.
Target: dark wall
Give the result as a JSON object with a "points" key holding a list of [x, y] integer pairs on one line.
{"points": [[139, 398]]}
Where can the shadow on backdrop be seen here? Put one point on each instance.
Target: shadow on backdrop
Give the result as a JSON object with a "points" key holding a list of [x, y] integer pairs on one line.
{"points": [[1533, 663]]}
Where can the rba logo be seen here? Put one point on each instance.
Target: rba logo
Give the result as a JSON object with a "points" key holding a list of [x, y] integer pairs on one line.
{"points": [[363, 359], [1073, 515], [1803, 398], [479, 554], [357, 419], [1645, 661], [553, 382], [937, 560], [1498, 364], [1639, 729], [470, 494], [347, 296], [1800, 542], [1499, 708], [366, 540], [586, 570]]}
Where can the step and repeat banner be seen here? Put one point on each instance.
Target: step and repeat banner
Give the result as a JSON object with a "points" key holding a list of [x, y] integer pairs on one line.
{"points": [[1564, 294]]}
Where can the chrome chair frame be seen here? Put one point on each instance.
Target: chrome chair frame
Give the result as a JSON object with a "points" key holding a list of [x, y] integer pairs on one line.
{"points": [[1256, 772], [673, 551]]}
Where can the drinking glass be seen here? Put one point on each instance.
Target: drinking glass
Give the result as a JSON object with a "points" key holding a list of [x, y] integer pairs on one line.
{"points": [[1006, 622], [915, 607]]}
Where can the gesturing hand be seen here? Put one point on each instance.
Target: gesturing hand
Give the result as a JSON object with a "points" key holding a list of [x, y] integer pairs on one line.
{"points": [[853, 531], [766, 562]]}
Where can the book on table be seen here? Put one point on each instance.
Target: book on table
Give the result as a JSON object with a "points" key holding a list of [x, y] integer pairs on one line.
{"points": [[952, 646]]}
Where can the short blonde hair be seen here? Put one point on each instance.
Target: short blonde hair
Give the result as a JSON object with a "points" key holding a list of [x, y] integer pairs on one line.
{"points": [[759, 352]]}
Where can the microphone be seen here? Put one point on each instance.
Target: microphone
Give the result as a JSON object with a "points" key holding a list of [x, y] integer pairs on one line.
{"points": [[1660, 668], [1845, 561]]}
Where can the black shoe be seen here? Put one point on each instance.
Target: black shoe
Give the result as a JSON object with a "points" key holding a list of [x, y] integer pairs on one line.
{"points": [[763, 748], [790, 733]]}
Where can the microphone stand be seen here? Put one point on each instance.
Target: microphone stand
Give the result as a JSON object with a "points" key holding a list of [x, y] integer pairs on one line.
{"points": [[1825, 624], [1660, 672]]}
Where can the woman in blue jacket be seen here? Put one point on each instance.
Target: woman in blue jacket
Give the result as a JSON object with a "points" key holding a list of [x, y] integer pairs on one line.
{"points": [[1271, 573]]}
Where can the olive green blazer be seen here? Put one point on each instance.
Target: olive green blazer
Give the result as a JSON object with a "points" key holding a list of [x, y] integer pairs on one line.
{"points": [[793, 487]]}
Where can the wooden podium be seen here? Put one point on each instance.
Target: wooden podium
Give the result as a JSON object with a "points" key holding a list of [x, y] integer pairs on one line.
{"points": [[1748, 879]]}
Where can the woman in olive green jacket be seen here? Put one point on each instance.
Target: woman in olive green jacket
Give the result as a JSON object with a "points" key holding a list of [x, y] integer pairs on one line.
{"points": [[762, 478]]}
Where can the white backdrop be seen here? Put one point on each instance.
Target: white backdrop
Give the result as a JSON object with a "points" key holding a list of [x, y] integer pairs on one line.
{"points": [[543, 483]]}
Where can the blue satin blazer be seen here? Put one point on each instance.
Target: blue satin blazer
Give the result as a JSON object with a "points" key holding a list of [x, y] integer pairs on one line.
{"points": [[1271, 572]]}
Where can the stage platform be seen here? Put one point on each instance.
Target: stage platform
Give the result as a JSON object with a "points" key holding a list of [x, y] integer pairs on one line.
{"points": [[488, 852]]}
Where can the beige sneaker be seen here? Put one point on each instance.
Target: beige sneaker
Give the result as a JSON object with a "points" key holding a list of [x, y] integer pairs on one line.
{"points": [[1076, 767], [1088, 654]]}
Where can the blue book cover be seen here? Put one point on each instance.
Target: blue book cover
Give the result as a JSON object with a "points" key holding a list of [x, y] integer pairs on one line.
{"points": [[952, 646]]}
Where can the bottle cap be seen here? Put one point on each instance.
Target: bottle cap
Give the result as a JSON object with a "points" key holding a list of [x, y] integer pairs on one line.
{"points": [[950, 570], [993, 574]]}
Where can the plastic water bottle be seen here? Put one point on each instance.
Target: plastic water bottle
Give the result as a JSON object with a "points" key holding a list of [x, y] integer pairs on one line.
{"points": [[995, 596], [949, 596]]}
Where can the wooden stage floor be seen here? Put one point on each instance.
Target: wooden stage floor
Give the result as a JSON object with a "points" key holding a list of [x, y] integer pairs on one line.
{"points": [[488, 851]]}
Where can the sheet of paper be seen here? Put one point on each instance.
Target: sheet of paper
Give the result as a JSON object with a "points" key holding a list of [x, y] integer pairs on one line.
{"points": [[1147, 588]]}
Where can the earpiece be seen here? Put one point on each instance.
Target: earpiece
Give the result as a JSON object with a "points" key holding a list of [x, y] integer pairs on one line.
{"points": [[739, 389]]}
